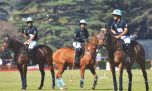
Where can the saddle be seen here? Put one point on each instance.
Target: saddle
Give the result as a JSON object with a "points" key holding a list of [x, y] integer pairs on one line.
{"points": [[31, 53]]}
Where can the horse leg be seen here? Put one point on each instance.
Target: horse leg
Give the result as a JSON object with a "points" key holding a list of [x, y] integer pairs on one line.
{"points": [[142, 66], [53, 75], [128, 67], [59, 80], [120, 77], [41, 68], [92, 69], [23, 71], [82, 76], [112, 67], [24, 74]]}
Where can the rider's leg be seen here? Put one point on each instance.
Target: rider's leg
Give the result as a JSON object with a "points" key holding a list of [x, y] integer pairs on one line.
{"points": [[30, 51], [31, 47], [78, 54], [127, 41], [128, 47]]}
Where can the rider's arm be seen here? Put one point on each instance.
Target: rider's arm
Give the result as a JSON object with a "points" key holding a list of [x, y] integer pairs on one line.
{"points": [[87, 34], [112, 28], [24, 33], [75, 36], [125, 29], [113, 31], [25, 36], [124, 32], [32, 36]]}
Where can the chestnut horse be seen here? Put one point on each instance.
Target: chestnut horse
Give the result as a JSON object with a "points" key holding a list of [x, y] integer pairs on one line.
{"points": [[65, 57], [42, 55], [117, 58]]}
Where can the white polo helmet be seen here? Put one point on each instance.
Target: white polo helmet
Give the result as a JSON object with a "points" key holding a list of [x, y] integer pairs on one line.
{"points": [[82, 21], [117, 12], [29, 19]]}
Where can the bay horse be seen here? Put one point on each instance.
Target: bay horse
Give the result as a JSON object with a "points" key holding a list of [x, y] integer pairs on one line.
{"points": [[42, 55], [65, 56], [116, 56]]}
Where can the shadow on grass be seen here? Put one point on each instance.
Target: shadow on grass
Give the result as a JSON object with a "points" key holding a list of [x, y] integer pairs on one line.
{"points": [[108, 89]]}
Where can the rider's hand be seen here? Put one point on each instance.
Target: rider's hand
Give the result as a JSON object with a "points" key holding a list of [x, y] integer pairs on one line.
{"points": [[25, 43], [117, 37]]}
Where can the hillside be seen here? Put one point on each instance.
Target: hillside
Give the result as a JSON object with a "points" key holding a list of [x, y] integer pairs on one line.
{"points": [[58, 19]]}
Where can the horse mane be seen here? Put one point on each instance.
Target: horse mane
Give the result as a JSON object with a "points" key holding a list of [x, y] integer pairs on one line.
{"points": [[15, 43], [112, 41]]}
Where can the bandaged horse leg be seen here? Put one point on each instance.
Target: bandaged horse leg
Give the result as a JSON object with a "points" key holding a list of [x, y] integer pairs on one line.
{"points": [[59, 81]]}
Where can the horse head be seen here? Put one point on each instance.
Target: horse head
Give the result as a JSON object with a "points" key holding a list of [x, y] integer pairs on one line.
{"points": [[7, 41], [93, 43], [10, 43], [96, 40], [105, 36]]}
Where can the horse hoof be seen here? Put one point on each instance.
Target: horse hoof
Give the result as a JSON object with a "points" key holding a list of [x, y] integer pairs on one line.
{"points": [[23, 89], [39, 88], [121, 89], [53, 87], [61, 88], [81, 86], [65, 88], [93, 88]]}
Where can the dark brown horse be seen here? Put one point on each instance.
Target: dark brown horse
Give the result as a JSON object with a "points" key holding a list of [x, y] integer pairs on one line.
{"points": [[42, 55], [117, 58], [65, 57]]}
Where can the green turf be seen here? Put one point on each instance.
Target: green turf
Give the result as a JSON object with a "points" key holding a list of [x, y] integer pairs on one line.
{"points": [[10, 81]]}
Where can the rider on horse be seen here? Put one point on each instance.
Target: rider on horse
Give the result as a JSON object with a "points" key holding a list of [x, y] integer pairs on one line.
{"points": [[80, 37], [119, 28], [31, 34]]}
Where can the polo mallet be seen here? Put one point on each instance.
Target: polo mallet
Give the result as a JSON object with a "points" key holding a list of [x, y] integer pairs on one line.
{"points": [[73, 64]]}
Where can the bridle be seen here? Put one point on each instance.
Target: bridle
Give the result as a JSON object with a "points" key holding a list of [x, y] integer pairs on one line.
{"points": [[9, 44], [93, 45], [103, 35]]}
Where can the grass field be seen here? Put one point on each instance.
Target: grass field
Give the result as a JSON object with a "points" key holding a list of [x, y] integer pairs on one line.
{"points": [[10, 81]]}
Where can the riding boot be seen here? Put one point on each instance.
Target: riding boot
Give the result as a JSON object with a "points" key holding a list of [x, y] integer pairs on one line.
{"points": [[30, 53], [77, 55]]}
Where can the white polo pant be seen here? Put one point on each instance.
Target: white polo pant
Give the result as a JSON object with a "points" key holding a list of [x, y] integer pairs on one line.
{"points": [[126, 39], [32, 44]]}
